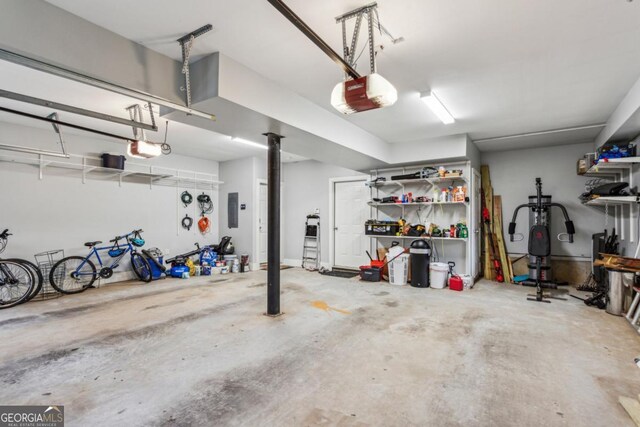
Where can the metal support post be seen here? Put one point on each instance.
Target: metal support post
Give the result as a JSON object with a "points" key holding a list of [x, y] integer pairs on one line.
{"points": [[273, 233]]}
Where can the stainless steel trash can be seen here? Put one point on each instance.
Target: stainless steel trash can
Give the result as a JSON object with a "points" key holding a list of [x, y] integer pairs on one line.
{"points": [[618, 281]]}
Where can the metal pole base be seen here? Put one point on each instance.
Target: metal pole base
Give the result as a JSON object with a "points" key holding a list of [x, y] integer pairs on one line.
{"points": [[273, 315]]}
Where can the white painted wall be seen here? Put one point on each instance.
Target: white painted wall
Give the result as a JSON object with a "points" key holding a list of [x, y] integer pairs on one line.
{"points": [[241, 176], [513, 176], [60, 212], [443, 149], [306, 187]]}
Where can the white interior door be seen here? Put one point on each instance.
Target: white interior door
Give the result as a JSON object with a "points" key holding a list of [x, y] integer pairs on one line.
{"points": [[350, 213], [262, 223]]}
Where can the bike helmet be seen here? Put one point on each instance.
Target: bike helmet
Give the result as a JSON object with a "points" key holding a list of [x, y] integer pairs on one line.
{"points": [[137, 241], [115, 252]]}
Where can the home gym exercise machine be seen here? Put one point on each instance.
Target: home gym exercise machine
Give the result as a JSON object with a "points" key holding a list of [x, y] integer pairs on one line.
{"points": [[540, 241]]}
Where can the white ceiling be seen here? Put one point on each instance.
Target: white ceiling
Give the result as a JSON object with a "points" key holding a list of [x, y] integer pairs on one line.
{"points": [[184, 139], [501, 67]]}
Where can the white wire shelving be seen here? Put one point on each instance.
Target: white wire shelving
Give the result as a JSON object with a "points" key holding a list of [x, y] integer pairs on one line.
{"points": [[88, 167]]}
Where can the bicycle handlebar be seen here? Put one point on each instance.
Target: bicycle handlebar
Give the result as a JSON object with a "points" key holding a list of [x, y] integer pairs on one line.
{"points": [[124, 236]]}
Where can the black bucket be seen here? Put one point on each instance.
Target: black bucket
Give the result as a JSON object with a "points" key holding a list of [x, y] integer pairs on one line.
{"points": [[113, 161]]}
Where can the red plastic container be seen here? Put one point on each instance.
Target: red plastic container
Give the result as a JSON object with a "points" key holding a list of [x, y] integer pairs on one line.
{"points": [[376, 263], [456, 283]]}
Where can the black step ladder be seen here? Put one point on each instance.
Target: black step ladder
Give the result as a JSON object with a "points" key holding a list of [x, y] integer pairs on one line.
{"points": [[311, 246]]}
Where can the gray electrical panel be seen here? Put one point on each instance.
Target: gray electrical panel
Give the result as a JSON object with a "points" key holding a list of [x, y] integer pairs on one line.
{"points": [[232, 207]]}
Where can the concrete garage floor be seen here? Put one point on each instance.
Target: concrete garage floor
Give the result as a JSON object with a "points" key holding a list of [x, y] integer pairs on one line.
{"points": [[199, 352]]}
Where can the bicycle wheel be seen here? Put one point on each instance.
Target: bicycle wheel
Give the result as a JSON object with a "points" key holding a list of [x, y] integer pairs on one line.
{"points": [[36, 273], [16, 283], [72, 275], [141, 267]]}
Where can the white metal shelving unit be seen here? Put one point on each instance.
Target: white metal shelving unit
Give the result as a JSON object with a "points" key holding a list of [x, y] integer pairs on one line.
{"points": [[437, 210], [448, 239], [400, 205], [617, 170], [88, 167], [424, 181]]}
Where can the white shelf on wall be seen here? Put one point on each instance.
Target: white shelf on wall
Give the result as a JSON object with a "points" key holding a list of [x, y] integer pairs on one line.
{"points": [[611, 166], [89, 168], [623, 208], [452, 239], [613, 201]]}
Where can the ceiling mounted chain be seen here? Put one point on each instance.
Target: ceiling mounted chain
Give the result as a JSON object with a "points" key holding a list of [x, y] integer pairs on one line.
{"points": [[186, 44]]}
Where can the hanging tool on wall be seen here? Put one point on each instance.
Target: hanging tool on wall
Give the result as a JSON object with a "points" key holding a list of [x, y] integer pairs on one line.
{"points": [[187, 222], [186, 198], [186, 44], [204, 224], [205, 204]]}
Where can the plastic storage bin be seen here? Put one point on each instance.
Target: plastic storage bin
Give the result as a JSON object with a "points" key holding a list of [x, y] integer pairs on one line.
{"points": [[381, 228], [370, 274], [113, 161]]}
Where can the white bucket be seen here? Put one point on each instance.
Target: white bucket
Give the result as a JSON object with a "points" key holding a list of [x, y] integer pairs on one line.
{"points": [[438, 272], [399, 270]]}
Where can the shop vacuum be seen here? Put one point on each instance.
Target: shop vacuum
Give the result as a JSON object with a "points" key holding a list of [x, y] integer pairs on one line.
{"points": [[420, 253]]}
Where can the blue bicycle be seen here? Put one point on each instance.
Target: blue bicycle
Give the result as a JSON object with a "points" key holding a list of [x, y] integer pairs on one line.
{"points": [[75, 274]]}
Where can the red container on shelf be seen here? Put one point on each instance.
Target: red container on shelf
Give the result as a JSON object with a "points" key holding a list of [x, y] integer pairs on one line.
{"points": [[456, 283]]}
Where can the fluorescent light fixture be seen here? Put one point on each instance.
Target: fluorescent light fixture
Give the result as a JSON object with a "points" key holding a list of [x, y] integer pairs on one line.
{"points": [[436, 106], [143, 149], [251, 143]]}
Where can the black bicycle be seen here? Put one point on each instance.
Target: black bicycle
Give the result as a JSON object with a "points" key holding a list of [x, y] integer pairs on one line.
{"points": [[17, 280]]}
